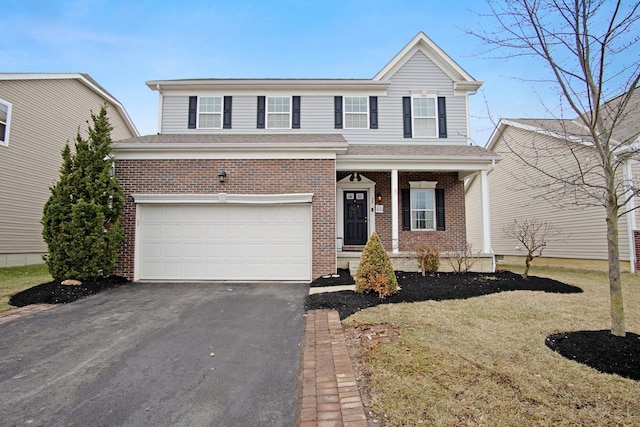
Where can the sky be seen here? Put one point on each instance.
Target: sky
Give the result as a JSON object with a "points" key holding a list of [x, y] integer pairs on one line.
{"points": [[124, 43]]}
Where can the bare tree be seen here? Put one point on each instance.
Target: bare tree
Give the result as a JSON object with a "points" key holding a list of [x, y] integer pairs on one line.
{"points": [[533, 235], [591, 49]]}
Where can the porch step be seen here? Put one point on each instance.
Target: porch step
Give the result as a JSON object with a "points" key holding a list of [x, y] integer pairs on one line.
{"points": [[353, 268]]}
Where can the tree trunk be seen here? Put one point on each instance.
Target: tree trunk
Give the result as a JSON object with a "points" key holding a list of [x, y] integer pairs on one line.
{"points": [[615, 281], [527, 263]]}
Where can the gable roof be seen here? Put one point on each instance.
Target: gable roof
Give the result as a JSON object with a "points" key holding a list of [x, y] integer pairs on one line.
{"points": [[86, 80], [463, 81]]}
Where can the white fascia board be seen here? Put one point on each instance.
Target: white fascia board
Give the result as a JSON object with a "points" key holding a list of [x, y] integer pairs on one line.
{"points": [[219, 198], [414, 164], [286, 85], [128, 151]]}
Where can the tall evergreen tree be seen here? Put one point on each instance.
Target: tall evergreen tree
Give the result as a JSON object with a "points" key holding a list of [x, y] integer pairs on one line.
{"points": [[82, 218]]}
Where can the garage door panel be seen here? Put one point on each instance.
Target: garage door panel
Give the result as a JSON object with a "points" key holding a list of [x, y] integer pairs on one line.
{"points": [[225, 242]]}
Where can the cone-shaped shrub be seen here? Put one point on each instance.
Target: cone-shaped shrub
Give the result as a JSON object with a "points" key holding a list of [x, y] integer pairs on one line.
{"points": [[82, 218], [375, 272]]}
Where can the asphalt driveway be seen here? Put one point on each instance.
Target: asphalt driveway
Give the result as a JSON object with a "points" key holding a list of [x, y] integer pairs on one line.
{"points": [[157, 355]]}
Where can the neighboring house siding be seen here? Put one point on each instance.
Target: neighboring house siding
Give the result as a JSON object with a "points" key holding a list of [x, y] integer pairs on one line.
{"points": [[274, 176], [46, 115], [317, 110], [582, 229]]}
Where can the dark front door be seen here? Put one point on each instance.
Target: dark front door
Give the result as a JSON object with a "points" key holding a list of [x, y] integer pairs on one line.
{"points": [[355, 217]]}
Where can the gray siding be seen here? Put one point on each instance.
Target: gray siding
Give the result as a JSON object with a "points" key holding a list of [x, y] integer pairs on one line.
{"points": [[45, 115], [583, 229], [317, 109]]}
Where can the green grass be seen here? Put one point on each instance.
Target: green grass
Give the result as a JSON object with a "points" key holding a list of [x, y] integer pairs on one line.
{"points": [[16, 279], [483, 361]]}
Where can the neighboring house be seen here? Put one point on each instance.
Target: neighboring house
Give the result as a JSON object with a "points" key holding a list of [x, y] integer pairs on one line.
{"points": [[39, 114], [285, 179], [581, 240]]}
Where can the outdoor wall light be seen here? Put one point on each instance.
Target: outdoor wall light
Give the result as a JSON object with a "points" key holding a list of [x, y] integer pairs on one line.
{"points": [[222, 176], [378, 197]]}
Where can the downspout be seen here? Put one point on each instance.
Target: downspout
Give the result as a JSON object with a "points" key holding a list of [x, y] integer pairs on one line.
{"points": [[160, 101], [631, 215]]}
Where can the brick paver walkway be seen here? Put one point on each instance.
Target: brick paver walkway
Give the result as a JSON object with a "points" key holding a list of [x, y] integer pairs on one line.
{"points": [[330, 395], [16, 313]]}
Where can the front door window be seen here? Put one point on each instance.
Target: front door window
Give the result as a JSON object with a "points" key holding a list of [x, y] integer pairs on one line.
{"points": [[355, 217]]}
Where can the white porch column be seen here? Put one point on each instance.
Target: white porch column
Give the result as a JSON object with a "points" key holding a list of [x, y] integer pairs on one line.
{"points": [[631, 214], [395, 248], [486, 221]]}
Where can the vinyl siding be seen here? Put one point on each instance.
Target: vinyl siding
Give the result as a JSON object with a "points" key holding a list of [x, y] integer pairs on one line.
{"points": [[583, 229], [45, 115], [317, 109]]}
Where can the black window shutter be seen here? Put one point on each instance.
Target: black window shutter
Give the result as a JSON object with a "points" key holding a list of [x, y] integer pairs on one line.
{"points": [[373, 112], [442, 117], [406, 208], [193, 111], [440, 225], [261, 107], [406, 116], [338, 111], [295, 112], [226, 119]]}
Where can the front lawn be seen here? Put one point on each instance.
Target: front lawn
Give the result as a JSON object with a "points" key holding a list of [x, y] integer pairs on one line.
{"points": [[483, 360], [16, 279]]}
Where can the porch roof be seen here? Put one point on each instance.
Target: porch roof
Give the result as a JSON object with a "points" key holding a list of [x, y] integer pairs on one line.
{"points": [[464, 159]]}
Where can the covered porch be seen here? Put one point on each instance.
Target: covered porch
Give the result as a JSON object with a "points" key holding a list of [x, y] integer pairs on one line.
{"points": [[375, 185]]}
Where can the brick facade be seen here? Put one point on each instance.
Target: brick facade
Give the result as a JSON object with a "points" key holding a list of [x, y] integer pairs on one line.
{"points": [[264, 176], [454, 235]]}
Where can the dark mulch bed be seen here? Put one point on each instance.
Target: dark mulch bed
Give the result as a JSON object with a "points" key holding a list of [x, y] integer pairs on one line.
{"points": [[439, 287], [600, 350], [55, 293], [597, 349]]}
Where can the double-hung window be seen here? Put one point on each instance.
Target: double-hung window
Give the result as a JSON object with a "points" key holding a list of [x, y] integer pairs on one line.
{"points": [[278, 112], [356, 112], [425, 117], [210, 113], [5, 118], [423, 209]]}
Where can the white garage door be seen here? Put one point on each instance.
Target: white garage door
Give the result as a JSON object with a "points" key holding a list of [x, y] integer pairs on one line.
{"points": [[224, 242]]}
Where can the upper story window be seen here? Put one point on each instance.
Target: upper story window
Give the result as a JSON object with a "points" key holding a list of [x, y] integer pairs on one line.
{"points": [[423, 209], [209, 113], [5, 119], [278, 112], [356, 113], [425, 117]]}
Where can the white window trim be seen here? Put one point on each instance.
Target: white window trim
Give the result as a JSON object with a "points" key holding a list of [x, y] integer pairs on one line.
{"points": [[415, 190], [414, 116], [344, 112], [208, 113], [267, 112], [7, 129]]}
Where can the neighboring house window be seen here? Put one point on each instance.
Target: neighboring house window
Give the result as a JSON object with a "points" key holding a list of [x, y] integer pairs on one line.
{"points": [[423, 207], [209, 113], [5, 119], [359, 112], [423, 210], [356, 112], [278, 112], [424, 116]]}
